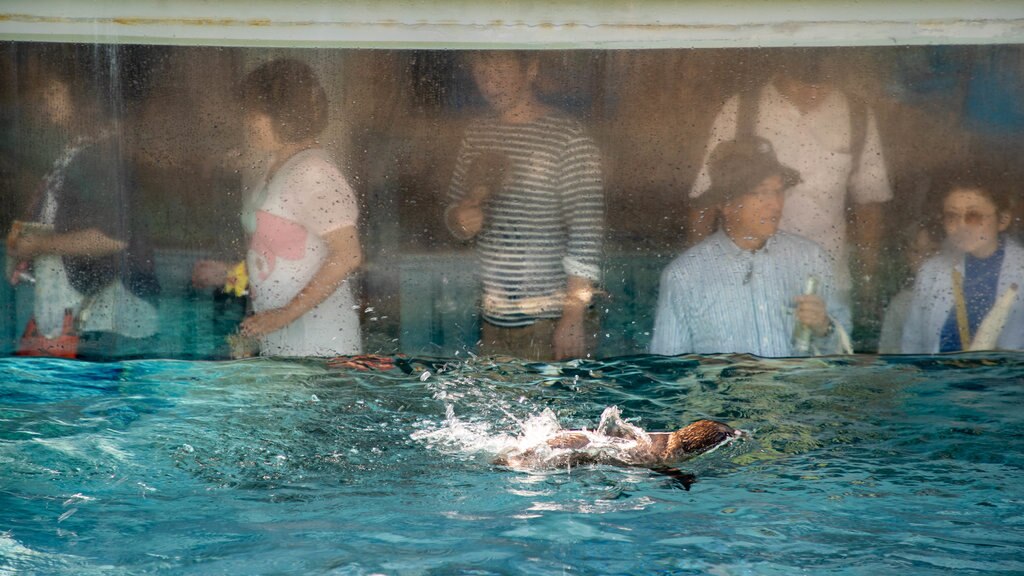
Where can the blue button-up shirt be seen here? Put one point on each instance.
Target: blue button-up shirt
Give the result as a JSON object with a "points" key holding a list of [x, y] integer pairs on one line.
{"points": [[718, 297]]}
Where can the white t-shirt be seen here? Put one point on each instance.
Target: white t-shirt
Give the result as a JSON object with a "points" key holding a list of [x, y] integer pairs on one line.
{"points": [[307, 198], [818, 145]]}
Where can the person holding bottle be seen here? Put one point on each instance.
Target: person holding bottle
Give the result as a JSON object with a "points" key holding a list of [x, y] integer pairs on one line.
{"points": [[749, 287]]}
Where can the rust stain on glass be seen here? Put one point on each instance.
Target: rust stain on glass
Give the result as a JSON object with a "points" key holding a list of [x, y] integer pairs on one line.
{"points": [[790, 26]]}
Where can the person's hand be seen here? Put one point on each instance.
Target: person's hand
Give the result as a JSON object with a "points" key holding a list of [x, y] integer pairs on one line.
{"points": [[569, 339], [263, 323], [810, 311], [468, 218], [209, 274], [13, 234]]}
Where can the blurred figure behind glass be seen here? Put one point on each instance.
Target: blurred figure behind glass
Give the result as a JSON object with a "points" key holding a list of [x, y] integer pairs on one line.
{"points": [[924, 242], [833, 141], [87, 254], [300, 220], [968, 297], [527, 188]]}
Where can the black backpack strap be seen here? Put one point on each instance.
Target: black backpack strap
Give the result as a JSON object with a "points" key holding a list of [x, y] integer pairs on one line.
{"points": [[858, 130], [746, 114]]}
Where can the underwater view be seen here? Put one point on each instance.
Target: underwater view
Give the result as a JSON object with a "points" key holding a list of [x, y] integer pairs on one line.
{"points": [[861, 465]]}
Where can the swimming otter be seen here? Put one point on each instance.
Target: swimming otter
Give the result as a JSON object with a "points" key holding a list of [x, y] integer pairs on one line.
{"points": [[620, 443]]}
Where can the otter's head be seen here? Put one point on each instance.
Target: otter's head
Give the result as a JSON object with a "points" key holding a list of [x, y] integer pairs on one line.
{"points": [[697, 438]]}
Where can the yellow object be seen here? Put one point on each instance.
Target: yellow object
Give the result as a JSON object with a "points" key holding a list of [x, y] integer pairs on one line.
{"points": [[238, 280]]}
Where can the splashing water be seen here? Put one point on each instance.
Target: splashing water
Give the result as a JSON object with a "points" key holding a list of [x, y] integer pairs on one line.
{"points": [[535, 447]]}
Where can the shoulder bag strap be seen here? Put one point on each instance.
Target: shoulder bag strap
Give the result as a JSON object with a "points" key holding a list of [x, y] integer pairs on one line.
{"points": [[961, 310], [858, 130], [746, 114]]}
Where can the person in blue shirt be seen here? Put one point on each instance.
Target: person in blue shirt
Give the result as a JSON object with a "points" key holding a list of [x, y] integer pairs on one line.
{"points": [[742, 289], [980, 265]]}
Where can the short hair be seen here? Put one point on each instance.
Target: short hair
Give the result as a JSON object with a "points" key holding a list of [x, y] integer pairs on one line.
{"points": [[289, 92], [990, 181], [91, 82], [523, 57], [103, 79]]}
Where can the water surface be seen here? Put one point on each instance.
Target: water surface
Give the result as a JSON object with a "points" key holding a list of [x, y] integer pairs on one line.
{"points": [[853, 466]]}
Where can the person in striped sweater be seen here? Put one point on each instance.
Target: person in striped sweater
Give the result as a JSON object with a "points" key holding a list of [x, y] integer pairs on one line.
{"points": [[527, 189]]}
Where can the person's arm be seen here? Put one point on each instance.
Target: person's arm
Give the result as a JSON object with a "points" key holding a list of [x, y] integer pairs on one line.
{"points": [[811, 312], [867, 234], [465, 219], [464, 215], [93, 199], [90, 242], [869, 190], [344, 256], [582, 194], [867, 230], [484, 178], [569, 340], [210, 273]]}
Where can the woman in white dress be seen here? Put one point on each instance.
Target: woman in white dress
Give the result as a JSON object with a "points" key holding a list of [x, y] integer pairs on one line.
{"points": [[301, 221]]}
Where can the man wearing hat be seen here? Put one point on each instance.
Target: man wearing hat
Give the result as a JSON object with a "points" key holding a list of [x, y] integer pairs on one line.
{"points": [[742, 289], [832, 138]]}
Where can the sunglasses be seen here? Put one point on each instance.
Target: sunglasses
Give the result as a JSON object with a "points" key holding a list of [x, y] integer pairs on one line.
{"points": [[971, 217]]}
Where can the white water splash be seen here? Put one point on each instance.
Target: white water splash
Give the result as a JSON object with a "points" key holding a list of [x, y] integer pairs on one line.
{"points": [[463, 437], [529, 449]]}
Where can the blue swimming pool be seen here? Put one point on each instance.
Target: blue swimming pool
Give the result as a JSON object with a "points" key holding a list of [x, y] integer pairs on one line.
{"points": [[855, 466]]}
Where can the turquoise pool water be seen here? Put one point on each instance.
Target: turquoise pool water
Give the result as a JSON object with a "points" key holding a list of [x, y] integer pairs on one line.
{"points": [[859, 466]]}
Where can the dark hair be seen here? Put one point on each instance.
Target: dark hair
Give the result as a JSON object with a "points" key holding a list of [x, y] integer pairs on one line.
{"points": [[990, 181], [101, 78], [91, 86], [523, 57], [288, 91]]}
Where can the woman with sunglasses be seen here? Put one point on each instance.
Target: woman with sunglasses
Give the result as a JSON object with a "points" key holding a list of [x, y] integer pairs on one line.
{"points": [[980, 266]]}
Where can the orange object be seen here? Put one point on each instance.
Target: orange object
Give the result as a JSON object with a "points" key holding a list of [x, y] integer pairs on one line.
{"points": [[65, 345], [12, 237]]}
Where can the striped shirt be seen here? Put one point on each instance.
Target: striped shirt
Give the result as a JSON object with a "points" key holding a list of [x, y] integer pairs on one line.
{"points": [[719, 298], [546, 221]]}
